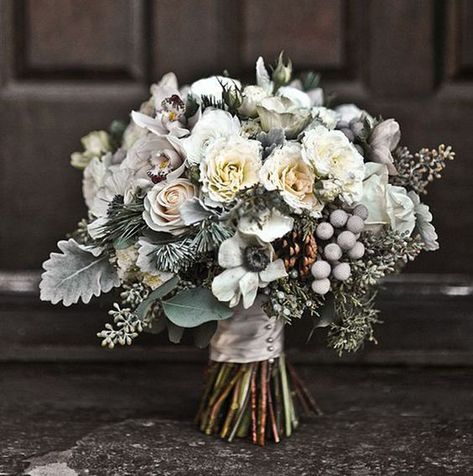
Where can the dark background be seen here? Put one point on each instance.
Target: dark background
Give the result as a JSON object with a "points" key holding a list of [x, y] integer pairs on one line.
{"points": [[71, 66]]}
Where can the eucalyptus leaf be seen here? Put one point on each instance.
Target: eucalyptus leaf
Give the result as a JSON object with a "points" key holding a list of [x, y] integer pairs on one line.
{"points": [[78, 272], [195, 306], [204, 333], [166, 288]]}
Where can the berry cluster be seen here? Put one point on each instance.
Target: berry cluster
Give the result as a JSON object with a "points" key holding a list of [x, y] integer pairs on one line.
{"points": [[340, 233]]}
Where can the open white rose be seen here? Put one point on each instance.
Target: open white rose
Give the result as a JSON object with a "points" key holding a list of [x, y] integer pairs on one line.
{"points": [[252, 97], [286, 171], [94, 177], [325, 115], [162, 204], [297, 96], [282, 113], [387, 205], [249, 265], [213, 125], [230, 165], [333, 157]]}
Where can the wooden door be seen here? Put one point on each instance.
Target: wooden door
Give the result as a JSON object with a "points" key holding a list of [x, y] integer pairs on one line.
{"points": [[70, 66]]}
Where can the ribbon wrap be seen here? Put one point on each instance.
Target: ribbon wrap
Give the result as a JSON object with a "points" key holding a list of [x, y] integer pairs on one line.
{"points": [[248, 336]]}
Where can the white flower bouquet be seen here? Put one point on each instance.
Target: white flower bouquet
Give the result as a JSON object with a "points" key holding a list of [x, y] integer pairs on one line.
{"points": [[230, 210]]}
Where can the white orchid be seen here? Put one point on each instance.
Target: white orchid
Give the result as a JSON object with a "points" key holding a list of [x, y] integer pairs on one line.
{"points": [[249, 265], [154, 158], [214, 124]]}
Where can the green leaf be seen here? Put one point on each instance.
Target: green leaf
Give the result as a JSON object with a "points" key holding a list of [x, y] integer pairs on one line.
{"points": [[193, 307], [203, 333], [158, 293]]}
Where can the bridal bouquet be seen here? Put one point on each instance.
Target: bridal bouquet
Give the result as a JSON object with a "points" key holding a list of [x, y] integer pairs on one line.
{"points": [[228, 210]]}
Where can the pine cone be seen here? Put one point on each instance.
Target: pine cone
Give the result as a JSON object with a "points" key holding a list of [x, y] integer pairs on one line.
{"points": [[297, 252]]}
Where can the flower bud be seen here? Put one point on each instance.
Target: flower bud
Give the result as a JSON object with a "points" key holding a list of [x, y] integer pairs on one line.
{"points": [[283, 72]]}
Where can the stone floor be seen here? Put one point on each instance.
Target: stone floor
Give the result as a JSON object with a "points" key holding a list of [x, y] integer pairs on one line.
{"points": [[135, 419]]}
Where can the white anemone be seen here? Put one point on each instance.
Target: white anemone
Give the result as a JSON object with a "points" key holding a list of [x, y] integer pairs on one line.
{"points": [[249, 265]]}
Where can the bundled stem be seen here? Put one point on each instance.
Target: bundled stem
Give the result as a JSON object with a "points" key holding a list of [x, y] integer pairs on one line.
{"points": [[259, 400]]}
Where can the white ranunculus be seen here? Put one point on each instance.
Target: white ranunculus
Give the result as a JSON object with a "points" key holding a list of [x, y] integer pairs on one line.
{"points": [[252, 97], [248, 265], [325, 115], [163, 202], [212, 86], [387, 205], [95, 144], [316, 95], [282, 113], [423, 223], [270, 225], [333, 157], [214, 124], [229, 166], [383, 140], [285, 170], [298, 97]]}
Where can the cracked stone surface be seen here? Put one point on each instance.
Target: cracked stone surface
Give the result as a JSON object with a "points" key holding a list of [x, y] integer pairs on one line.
{"points": [[135, 419]]}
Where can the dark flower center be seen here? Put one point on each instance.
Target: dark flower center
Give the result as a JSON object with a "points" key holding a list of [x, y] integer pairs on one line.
{"points": [[256, 258]]}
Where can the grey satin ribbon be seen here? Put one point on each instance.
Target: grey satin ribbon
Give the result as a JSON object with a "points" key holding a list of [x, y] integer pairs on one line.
{"points": [[248, 336]]}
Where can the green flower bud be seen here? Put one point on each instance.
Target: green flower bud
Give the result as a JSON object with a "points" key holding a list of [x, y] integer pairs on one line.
{"points": [[282, 74]]}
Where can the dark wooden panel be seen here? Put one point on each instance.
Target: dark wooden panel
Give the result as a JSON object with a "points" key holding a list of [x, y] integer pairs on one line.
{"points": [[79, 38], [427, 320], [195, 38], [459, 59], [401, 56], [311, 32]]}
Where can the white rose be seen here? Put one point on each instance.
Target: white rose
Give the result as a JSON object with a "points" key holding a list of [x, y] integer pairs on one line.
{"points": [[212, 86], [162, 204], [285, 170], [333, 157], [298, 97], [230, 165], [213, 125], [387, 204], [252, 97], [282, 113]]}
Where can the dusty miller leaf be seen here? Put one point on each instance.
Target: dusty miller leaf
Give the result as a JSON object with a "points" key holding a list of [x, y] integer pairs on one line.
{"points": [[79, 272]]}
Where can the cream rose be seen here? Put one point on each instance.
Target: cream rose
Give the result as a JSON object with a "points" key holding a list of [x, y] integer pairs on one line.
{"points": [[162, 204], [230, 165], [333, 157], [285, 170]]}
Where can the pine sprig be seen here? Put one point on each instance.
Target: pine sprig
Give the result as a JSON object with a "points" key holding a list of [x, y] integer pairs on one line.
{"points": [[174, 256], [210, 236], [416, 171], [124, 223]]}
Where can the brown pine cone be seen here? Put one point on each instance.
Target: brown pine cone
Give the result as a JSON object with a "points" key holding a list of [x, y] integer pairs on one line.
{"points": [[308, 255], [297, 252]]}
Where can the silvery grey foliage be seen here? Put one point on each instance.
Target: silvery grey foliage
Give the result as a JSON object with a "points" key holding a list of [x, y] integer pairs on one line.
{"points": [[271, 139], [79, 272]]}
